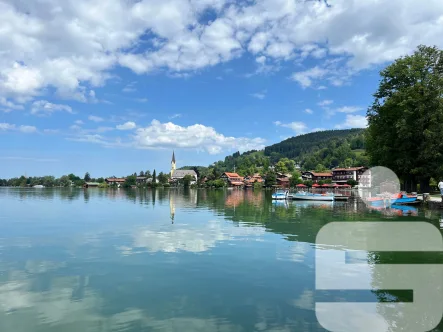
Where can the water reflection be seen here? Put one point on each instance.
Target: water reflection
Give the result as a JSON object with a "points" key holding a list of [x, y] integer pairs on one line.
{"points": [[396, 210], [162, 260]]}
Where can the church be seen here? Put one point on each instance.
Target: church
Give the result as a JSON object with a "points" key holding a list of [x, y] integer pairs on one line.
{"points": [[177, 175]]}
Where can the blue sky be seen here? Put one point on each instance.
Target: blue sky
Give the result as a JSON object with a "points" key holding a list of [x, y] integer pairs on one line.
{"points": [[112, 88]]}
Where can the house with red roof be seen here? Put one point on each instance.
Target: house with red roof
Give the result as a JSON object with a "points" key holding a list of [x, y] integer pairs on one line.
{"points": [[251, 179], [232, 179], [117, 181]]}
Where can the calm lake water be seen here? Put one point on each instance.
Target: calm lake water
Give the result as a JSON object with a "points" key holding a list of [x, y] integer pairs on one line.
{"points": [[168, 260]]}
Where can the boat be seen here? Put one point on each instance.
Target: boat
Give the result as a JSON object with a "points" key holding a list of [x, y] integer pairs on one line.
{"points": [[281, 194], [340, 197], [400, 198], [312, 197]]}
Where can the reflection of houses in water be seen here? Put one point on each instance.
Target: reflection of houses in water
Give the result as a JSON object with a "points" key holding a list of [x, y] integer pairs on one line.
{"points": [[235, 197]]}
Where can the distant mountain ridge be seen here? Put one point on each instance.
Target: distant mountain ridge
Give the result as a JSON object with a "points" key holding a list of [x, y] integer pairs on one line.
{"points": [[318, 150], [297, 146]]}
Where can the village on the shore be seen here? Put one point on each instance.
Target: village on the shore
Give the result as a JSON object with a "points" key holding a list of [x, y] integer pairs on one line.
{"points": [[335, 178]]}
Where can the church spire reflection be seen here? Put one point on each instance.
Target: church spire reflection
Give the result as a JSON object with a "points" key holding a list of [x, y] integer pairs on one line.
{"points": [[172, 207]]}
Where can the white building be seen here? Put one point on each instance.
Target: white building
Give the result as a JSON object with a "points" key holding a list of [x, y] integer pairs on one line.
{"points": [[177, 175]]}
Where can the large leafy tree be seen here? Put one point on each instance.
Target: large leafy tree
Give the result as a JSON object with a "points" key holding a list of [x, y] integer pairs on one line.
{"points": [[406, 119], [162, 178], [187, 180], [271, 179]]}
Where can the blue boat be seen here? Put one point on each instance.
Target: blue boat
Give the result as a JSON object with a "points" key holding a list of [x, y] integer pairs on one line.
{"points": [[400, 198]]}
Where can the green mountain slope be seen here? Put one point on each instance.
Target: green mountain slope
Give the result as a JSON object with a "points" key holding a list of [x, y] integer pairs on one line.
{"points": [[331, 148], [319, 150]]}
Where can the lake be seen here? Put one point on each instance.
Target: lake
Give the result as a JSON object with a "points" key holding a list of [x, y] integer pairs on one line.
{"points": [[174, 260]]}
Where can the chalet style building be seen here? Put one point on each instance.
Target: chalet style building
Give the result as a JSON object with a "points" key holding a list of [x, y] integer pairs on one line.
{"points": [[342, 175], [249, 180], [117, 181], [315, 177], [232, 179], [283, 182]]}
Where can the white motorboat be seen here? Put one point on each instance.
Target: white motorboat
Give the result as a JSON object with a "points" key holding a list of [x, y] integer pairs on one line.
{"points": [[280, 195], [328, 197]]}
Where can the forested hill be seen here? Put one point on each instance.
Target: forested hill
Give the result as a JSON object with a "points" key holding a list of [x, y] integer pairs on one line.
{"points": [[296, 147], [330, 148], [313, 151]]}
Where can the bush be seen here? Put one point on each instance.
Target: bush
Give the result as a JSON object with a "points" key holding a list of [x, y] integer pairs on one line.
{"points": [[308, 183], [218, 183], [103, 185], [352, 183], [258, 185]]}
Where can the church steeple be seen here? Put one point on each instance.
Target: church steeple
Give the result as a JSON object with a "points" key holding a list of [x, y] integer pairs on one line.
{"points": [[173, 165]]}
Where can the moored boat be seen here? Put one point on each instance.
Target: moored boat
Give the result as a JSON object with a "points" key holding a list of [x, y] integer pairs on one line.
{"points": [[400, 198], [280, 195], [312, 197]]}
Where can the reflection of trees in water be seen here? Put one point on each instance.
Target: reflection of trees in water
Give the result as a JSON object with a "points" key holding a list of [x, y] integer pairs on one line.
{"points": [[396, 317], [86, 193], [99, 299], [43, 193]]}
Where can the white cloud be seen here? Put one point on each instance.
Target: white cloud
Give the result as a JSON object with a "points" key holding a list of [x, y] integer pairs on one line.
{"points": [[174, 116], [79, 122], [75, 127], [28, 129], [199, 137], [259, 95], [127, 126], [349, 109], [325, 102], [23, 128], [354, 121], [91, 138], [305, 78], [6, 126], [43, 107], [141, 100], [297, 127], [9, 104], [72, 46], [309, 111], [95, 118], [130, 87]]}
